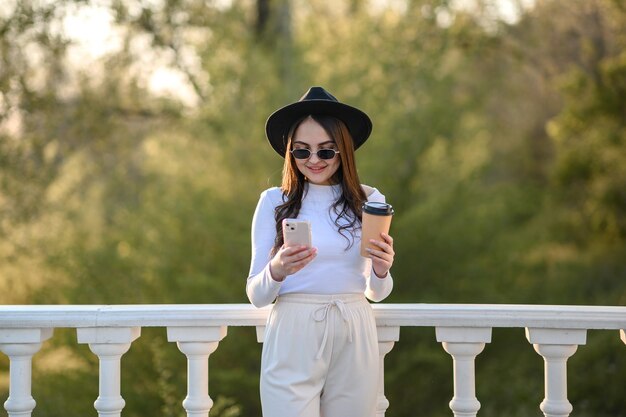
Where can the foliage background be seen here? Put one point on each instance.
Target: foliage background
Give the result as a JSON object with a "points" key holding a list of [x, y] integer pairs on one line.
{"points": [[499, 139]]}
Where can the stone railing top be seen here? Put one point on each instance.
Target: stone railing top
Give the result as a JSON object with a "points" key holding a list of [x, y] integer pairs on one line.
{"points": [[446, 315]]}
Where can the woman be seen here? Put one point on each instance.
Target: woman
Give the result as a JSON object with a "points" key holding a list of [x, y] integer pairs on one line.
{"points": [[320, 354]]}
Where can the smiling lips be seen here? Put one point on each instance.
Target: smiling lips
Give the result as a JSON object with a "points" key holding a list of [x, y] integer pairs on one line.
{"points": [[316, 170]]}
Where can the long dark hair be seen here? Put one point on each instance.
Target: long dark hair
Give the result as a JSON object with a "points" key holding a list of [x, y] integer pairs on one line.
{"points": [[348, 205]]}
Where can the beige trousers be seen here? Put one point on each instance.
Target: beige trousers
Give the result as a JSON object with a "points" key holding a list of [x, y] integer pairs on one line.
{"points": [[320, 357]]}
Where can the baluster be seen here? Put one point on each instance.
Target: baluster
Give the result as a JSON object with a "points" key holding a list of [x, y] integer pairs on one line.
{"points": [[260, 334], [556, 346], [197, 343], [20, 345], [109, 344], [464, 344], [387, 336]]}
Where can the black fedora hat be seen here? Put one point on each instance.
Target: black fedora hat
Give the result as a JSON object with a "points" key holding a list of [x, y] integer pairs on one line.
{"points": [[316, 101]]}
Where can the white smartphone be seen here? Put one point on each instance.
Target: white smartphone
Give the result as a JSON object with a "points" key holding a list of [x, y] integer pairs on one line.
{"points": [[297, 232]]}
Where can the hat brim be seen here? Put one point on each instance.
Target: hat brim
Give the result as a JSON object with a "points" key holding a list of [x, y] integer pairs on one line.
{"points": [[278, 124]]}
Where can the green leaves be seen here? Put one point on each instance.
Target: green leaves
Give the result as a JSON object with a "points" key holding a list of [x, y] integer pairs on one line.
{"points": [[501, 145]]}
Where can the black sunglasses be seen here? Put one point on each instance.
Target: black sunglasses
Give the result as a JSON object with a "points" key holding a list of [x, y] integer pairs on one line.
{"points": [[321, 153]]}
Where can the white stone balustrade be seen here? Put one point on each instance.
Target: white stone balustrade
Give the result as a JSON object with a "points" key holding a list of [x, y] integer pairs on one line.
{"points": [[463, 330], [387, 337], [109, 344], [20, 345], [197, 343], [464, 344], [556, 346]]}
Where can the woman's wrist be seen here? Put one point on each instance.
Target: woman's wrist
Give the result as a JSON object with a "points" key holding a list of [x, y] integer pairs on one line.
{"points": [[381, 276], [276, 277]]}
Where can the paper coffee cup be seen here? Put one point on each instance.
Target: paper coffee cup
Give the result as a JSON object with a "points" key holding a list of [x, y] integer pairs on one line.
{"points": [[376, 220]]}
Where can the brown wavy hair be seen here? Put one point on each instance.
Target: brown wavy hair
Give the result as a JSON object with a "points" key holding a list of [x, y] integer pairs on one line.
{"points": [[348, 205]]}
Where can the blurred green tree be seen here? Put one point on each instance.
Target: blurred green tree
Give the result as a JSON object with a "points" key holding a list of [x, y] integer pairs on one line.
{"points": [[499, 142]]}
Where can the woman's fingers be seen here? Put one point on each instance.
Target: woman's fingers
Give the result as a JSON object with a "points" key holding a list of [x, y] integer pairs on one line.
{"points": [[382, 258], [295, 258], [388, 239], [302, 262], [290, 260], [301, 256], [292, 250], [298, 253], [384, 246], [381, 254]]}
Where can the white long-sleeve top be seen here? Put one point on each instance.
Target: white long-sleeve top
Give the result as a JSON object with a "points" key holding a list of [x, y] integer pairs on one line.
{"points": [[336, 269]]}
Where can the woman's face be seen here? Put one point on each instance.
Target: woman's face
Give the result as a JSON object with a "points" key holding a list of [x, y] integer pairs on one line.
{"points": [[312, 136]]}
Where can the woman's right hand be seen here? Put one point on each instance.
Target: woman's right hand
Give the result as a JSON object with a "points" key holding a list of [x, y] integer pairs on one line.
{"points": [[289, 260]]}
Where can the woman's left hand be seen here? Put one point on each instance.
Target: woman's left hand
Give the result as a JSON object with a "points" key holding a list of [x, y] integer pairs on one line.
{"points": [[382, 258]]}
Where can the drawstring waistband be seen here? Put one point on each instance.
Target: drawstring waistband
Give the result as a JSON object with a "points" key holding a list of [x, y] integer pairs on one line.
{"points": [[324, 317], [326, 303]]}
